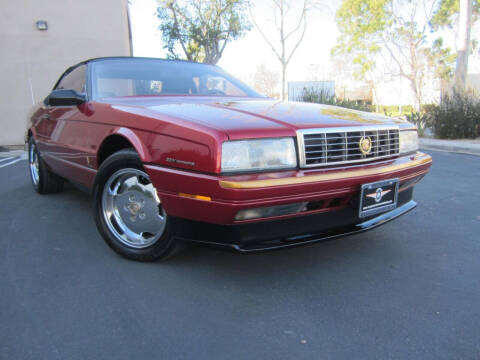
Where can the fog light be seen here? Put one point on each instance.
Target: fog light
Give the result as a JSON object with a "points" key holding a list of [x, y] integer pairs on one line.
{"points": [[270, 211]]}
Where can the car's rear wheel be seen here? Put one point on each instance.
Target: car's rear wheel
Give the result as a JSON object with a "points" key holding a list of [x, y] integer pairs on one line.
{"points": [[43, 180], [128, 212]]}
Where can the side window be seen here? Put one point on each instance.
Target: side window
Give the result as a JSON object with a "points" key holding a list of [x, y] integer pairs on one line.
{"points": [[75, 80]]}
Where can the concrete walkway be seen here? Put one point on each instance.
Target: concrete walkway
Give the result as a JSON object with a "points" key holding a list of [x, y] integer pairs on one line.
{"points": [[464, 146]]}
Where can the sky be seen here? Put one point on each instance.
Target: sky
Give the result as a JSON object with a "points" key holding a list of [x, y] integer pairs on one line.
{"points": [[241, 57]]}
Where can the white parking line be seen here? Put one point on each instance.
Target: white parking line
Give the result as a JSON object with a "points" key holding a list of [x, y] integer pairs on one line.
{"points": [[6, 159], [11, 162]]}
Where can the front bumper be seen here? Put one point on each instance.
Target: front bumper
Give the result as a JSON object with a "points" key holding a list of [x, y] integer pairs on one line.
{"points": [[217, 199], [280, 234]]}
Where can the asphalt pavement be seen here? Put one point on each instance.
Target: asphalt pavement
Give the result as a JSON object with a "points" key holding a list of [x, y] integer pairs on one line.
{"points": [[407, 290]]}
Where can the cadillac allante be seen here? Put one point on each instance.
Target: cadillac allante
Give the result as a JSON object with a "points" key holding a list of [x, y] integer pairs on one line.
{"points": [[176, 152]]}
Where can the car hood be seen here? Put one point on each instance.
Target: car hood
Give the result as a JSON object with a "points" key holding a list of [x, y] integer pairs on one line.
{"points": [[249, 117]]}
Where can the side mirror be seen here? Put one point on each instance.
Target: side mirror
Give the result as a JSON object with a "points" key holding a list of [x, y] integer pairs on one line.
{"points": [[66, 97]]}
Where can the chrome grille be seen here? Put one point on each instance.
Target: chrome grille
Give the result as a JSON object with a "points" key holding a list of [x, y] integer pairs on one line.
{"points": [[342, 145]]}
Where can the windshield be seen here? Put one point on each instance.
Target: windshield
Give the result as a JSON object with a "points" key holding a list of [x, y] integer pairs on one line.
{"points": [[136, 76]]}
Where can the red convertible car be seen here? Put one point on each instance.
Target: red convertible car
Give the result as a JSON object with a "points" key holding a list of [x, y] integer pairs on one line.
{"points": [[176, 152]]}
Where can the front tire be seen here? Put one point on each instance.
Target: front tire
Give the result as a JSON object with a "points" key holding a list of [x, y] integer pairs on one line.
{"points": [[128, 212], [43, 180]]}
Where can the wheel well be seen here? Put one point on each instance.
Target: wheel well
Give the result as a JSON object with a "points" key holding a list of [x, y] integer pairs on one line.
{"points": [[111, 145]]}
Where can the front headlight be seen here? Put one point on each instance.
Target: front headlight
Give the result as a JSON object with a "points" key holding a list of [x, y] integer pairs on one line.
{"points": [[258, 154], [408, 141]]}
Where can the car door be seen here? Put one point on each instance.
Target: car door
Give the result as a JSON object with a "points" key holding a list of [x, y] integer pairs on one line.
{"points": [[58, 126], [43, 127]]}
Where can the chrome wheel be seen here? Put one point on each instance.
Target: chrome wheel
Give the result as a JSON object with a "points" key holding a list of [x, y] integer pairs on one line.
{"points": [[33, 163], [132, 210]]}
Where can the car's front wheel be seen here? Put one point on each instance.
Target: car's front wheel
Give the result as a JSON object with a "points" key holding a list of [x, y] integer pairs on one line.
{"points": [[128, 211]]}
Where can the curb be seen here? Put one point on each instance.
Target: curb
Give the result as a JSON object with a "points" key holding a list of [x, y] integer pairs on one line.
{"points": [[449, 150], [450, 146]]}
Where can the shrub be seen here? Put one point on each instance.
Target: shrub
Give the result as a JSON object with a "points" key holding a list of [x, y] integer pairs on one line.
{"points": [[395, 109], [322, 96], [422, 120], [318, 96], [456, 117]]}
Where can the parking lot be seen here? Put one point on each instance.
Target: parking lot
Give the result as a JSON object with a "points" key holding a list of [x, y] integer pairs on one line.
{"points": [[407, 290]]}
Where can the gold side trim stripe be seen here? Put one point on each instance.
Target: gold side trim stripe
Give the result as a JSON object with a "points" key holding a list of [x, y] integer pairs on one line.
{"points": [[251, 184]]}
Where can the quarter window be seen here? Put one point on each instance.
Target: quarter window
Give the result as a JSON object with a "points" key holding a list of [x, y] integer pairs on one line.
{"points": [[74, 80]]}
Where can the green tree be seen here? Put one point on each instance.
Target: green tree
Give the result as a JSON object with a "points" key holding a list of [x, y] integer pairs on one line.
{"points": [[394, 31], [461, 14], [201, 29], [441, 59], [447, 13]]}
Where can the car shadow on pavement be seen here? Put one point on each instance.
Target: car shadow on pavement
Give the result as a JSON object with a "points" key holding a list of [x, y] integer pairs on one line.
{"points": [[339, 256], [72, 216]]}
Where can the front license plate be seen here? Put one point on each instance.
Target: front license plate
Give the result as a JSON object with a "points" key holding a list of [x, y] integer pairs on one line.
{"points": [[378, 197]]}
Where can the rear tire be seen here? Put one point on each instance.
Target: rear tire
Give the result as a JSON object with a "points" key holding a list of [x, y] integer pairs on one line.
{"points": [[128, 213], [43, 180]]}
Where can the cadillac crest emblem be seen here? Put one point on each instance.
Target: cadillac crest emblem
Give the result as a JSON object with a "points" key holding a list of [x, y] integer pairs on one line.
{"points": [[365, 145]]}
